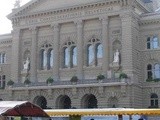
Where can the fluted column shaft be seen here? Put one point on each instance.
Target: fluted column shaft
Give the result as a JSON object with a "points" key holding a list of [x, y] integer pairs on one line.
{"points": [[15, 66], [80, 59], [33, 64], [56, 61], [105, 43]]}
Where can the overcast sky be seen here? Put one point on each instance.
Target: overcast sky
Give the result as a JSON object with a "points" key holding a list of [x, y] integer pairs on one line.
{"points": [[6, 7]]}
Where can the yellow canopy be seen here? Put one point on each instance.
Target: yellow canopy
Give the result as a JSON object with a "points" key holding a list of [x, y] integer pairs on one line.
{"points": [[109, 111]]}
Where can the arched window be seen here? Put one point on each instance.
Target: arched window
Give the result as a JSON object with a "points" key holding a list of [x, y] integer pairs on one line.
{"points": [[152, 42], [90, 55], [66, 57], [74, 56], [156, 71], [70, 55], [149, 71], [99, 54], [94, 52], [2, 58], [155, 42], [154, 100]]}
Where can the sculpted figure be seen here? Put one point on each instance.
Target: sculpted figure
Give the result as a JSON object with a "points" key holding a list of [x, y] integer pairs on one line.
{"points": [[17, 4], [116, 56], [26, 64]]}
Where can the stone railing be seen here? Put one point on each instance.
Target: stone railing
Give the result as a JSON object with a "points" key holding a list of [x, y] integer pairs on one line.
{"points": [[80, 82]]}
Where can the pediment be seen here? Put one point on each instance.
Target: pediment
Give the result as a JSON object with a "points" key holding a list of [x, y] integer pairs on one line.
{"points": [[37, 6]]}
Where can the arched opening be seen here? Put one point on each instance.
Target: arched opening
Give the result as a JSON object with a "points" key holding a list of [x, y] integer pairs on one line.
{"points": [[112, 102], [89, 101], [40, 101], [63, 102]]}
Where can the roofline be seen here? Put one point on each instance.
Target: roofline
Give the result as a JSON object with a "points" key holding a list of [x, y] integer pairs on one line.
{"points": [[16, 10]]}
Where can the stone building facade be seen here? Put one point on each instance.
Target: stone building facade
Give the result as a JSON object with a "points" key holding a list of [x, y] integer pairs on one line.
{"points": [[60, 39]]}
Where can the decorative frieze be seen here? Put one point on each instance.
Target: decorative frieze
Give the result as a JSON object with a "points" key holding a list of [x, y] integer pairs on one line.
{"points": [[69, 15]]}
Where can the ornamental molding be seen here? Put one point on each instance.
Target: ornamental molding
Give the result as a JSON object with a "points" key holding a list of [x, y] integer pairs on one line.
{"points": [[148, 22], [21, 13], [150, 18], [67, 13]]}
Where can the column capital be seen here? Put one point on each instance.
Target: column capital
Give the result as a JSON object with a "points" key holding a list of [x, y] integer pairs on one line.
{"points": [[104, 19], [79, 23], [33, 29], [125, 16], [55, 26]]}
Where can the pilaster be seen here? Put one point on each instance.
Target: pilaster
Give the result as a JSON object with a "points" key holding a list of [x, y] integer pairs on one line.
{"points": [[15, 66], [33, 66], [56, 61], [126, 56], [79, 24], [105, 43]]}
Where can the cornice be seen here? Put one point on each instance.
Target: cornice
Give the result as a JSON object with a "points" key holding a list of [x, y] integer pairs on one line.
{"points": [[151, 18], [22, 15]]}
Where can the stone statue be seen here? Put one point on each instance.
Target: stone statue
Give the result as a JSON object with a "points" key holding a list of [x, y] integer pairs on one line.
{"points": [[26, 64], [17, 4], [116, 57]]}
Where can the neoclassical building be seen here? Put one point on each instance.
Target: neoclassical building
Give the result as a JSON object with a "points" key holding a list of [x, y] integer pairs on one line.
{"points": [[60, 39]]}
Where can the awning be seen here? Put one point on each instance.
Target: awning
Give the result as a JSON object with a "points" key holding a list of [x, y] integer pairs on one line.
{"points": [[21, 108], [102, 111]]}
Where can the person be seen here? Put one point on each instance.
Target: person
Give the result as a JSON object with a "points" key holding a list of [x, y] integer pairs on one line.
{"points": [[26, 64], [116, 56]]}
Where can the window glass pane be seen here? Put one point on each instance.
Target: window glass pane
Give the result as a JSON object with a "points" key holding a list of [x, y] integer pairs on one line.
{"points": [[90, 55], [152, 102], [0, 58], [74, 56], [3, 77], [41, 57], [99, 54], [148, 43], [51, 58], [44, 59], [156, 102], [66, 57], [3, 58], [154, 96], [157, 71], [155, 42], [149, 69]]}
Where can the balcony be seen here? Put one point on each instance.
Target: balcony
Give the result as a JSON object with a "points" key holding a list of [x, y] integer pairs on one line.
{"points": [[68, 84]]}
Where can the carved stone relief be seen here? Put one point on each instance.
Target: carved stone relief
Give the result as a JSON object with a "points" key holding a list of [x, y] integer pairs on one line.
{"points": [[89, 34]]}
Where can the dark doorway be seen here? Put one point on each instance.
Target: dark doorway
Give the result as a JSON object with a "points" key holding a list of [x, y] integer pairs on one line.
{"points": [[41, 101], [89, 101], [64, 102]]}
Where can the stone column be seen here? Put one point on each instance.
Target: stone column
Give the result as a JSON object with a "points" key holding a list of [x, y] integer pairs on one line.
{"points": [[105, 43], [80, 59], [56, 60], [33, 59], [15, 66]]}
